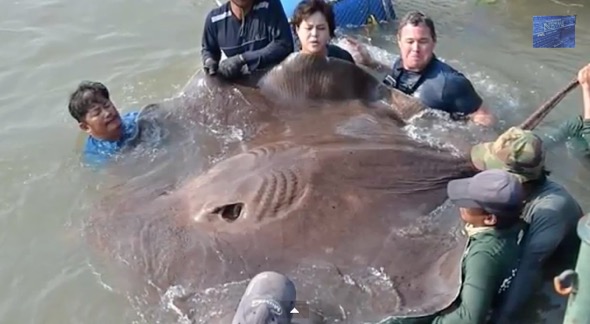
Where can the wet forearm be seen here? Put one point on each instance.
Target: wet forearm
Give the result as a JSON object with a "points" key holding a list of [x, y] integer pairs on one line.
{"points": [[586, 100], [379, 67], [209, 46], [272, 54], [582, 145], [575, 130], [563, 132], [208, 54]]}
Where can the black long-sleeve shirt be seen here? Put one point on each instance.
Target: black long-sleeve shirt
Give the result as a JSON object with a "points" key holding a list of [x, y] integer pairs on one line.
{"points": [[263, 37]]}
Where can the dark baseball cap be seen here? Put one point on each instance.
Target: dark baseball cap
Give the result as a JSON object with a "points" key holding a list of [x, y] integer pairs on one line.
{"points": [[495, 191], [269, 298]]}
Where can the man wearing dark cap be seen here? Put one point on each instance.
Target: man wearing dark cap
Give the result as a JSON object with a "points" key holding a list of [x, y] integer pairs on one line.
{"points": [[269, 298], [551, 212], [490, 204]]}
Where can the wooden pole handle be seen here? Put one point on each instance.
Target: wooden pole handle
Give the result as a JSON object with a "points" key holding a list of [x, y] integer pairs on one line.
{"points": [[536, 117]]}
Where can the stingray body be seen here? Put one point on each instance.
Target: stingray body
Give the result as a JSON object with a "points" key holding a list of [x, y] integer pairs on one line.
{"points": [[325, 187]]}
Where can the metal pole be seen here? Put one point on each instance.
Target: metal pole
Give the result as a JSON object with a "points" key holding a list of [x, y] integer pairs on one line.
{"points": [[578, 281]]}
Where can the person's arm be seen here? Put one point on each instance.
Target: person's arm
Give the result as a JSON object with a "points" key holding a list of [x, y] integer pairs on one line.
{"points": [[380, 67], [483, 116], [576, 130], [361, 56], [281, 44], [584, 138], [477, 293], [209, 45], [460, 96], [573, 131], [544, 236]]}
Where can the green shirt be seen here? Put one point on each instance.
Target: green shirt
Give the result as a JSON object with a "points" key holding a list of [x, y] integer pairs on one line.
{"points": [[488, 265], [575, 131], [489, 260]]}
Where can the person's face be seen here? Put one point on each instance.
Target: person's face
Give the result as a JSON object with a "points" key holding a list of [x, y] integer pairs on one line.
{"points": [[102, 121], [477, 218], [416, 46], [314, 34]]}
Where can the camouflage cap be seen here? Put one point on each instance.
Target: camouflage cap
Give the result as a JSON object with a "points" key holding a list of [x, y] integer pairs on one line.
{"points": [[517, 151]]}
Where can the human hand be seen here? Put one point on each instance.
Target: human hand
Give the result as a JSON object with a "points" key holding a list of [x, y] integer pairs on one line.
{"points": [[231, 67], [359, 52], [210, 66], [584, 80], [584, 76]]}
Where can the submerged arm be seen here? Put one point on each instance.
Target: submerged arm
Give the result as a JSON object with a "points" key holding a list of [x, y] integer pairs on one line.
{"points": [[576, 130], [379, 66], [460, 97]]}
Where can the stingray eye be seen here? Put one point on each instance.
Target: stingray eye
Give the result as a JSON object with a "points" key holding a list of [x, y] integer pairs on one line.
{"points": [[229, 212]]}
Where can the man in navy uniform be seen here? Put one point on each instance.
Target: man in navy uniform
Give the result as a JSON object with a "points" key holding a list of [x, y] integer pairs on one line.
{"points": [[418, 72], [250, 34]]}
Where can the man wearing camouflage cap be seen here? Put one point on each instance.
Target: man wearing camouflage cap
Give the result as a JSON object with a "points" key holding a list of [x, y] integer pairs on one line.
{"points": [[550, 210], [552, 213]]}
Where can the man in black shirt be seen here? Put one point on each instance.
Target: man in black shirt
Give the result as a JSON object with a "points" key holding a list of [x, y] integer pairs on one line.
{"points": [[251, 34]]}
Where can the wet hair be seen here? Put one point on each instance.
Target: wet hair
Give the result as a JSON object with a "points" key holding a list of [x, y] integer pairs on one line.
{"points": [[85, 96], [306, 8], [416, 18]]}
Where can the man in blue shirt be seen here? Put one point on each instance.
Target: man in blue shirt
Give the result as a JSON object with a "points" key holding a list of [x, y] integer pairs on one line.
{"points": [[251, 34], [108, 131], [420, 73]]}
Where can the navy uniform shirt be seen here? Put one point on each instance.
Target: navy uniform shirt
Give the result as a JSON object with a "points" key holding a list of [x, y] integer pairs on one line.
{"points": [[264, 38], [438, 86]]}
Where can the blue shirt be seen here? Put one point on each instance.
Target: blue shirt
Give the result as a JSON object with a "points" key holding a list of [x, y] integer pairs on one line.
{"points": [[264, 38], [98, 151], [438, 86]]}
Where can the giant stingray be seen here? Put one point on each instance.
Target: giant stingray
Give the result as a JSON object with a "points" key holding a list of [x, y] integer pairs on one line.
{"points": [[326, 187]]}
